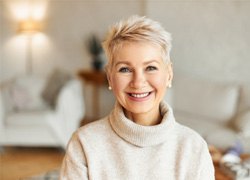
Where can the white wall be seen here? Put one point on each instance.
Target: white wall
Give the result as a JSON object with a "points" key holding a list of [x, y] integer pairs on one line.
{"points": [[1, 25], [211, 38]]}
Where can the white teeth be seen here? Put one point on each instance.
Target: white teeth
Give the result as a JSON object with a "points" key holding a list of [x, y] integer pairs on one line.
{"points": [[140, 95]]}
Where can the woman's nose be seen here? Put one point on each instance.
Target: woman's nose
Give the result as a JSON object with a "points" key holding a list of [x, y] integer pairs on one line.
{"points": [[138, 80]]}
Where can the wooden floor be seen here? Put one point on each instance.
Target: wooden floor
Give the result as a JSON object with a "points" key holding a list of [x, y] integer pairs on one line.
{"points": [[18, 163]]}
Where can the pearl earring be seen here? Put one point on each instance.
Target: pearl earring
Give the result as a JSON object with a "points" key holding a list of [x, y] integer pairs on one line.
{"points": [[170, 85], [110, 88]]}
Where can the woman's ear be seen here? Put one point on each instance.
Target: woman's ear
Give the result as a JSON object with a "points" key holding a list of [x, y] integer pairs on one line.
{"points": [[170, 74], [108, 78]]}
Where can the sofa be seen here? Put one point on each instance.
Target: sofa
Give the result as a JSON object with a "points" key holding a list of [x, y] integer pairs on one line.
{"points": [[40, 111], [218, 111]]}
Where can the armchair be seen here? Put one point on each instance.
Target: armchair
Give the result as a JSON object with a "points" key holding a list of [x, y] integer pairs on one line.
{"points": [[26, 120]]}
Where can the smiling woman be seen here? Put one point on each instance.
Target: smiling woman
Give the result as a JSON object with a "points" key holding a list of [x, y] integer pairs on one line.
{"points": [[139, 79], [140, 138]]}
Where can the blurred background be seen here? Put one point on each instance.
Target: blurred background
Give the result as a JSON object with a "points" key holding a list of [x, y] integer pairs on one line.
{"points": [[210, 38], [56, 41]]}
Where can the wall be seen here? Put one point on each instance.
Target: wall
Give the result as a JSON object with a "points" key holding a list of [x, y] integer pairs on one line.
{"points": [[67, 26], [211, 39], [1, 26]]}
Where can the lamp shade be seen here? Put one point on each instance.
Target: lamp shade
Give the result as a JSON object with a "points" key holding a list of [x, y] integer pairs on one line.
{"points": [[29, 26]]}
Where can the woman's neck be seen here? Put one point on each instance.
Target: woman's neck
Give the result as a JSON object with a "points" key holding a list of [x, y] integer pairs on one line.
{"points": [[145, 119]]}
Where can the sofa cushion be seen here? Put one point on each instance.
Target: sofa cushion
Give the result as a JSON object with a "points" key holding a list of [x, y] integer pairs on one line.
{"points": [[211, 100], [25, 93], [197, 123], [222, 138], [28, 118], [214, 133]]}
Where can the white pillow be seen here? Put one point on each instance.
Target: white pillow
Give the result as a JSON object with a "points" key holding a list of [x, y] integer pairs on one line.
{"points": [[26, 93], [6, 98], [244, 103], [216, 101], [242, 123]]}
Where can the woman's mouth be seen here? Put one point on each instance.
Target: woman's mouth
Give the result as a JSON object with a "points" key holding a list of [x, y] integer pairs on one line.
{"points": [[139, 95]]}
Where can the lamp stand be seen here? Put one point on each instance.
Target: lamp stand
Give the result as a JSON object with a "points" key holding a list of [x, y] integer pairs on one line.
{"points": [[29, 65]]}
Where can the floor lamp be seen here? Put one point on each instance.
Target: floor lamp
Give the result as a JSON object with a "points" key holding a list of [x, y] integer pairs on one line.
{"points": [[29, 27]]}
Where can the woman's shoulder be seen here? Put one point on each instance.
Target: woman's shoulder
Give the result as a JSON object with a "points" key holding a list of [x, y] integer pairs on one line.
{"points": [[97, 126], [91, 132], [188, 134]]}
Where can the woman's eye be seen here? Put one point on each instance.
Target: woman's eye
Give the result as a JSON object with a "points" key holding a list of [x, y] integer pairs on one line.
{"points": [[124, 70], [151, 68]]}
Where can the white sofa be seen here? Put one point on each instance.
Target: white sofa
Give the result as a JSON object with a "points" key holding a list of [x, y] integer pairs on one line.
{"points": [[27, 120], [219, 111]]}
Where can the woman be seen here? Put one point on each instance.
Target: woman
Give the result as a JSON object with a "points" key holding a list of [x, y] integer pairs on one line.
{"points": [[139, 139]]}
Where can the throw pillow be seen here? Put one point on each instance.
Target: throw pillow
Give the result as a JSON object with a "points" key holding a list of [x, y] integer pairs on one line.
{"points": [[242, 123], [244, 103], [56, 80], [25, 93]]}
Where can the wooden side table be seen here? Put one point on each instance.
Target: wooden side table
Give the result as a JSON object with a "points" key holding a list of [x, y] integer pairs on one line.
{"points": [[97, 79]]}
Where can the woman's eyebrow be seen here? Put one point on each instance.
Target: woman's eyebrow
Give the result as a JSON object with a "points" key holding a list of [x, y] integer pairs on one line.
{"points": [[151, 61], [144, 63], [122, 62]]}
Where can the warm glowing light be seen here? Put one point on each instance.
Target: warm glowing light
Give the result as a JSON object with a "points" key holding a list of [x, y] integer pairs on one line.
{"points": [[21, 11], [38, 12], [24, 9], [29, 26], [29, 14]]}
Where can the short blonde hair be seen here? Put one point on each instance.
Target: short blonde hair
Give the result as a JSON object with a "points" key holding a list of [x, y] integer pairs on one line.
{"points": [[136, 29]]}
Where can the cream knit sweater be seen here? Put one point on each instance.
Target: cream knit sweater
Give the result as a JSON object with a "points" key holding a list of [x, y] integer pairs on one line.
{"points": [[116, 148]]}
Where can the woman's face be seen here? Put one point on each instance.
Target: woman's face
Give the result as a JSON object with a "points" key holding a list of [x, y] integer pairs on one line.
{"points": [[139, 77]]}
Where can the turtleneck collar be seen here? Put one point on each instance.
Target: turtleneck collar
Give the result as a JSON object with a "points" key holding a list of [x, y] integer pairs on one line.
{"points": [[139, 135]]}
